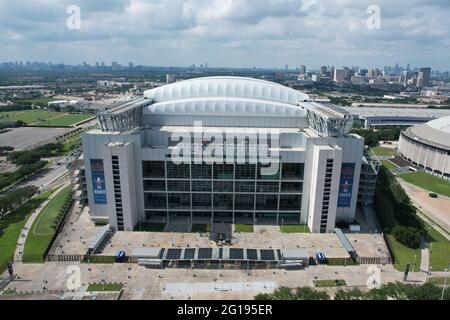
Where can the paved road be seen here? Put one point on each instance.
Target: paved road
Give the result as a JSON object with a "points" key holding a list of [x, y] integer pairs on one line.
{"points": [[45, 178], [437, 210]]}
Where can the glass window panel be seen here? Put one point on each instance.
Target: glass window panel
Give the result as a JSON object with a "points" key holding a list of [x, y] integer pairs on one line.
{"points": [[267, 202], [293, 171], [153, 169], [179, 200], [154, 185]]}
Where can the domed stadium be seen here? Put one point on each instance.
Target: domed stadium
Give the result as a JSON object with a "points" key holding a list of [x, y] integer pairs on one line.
{"points": [[428, 146]]}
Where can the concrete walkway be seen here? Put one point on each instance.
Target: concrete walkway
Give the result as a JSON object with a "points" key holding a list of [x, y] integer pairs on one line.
{"points": [[425, 253], [18, 255]]}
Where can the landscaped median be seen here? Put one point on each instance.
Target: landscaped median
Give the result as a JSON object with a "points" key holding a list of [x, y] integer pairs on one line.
{"points": [[440, 250], [399, 221], [288, 228], [104, 287], [329, 283], [11, 226], [45, 226]]}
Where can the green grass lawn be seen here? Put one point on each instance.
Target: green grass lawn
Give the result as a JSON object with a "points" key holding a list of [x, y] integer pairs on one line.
{"points": [[66, 121], [404, 255], [388, 165], [29, 116], [150, 227], [439, 281], [42, 230], [428, 182], [100, 287], [44, 118], [329, 283], [12, 225], [288, 228], [201, 228], [383, 152], [440, 255], [244, 228], [42, 102]]}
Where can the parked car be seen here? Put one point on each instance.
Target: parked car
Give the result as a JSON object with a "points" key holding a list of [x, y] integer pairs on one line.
{"points": [[433, 195]]}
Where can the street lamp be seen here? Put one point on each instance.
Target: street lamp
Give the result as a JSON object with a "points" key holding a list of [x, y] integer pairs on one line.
{"points": [[445, 284], [414, 265], [282, 225]]}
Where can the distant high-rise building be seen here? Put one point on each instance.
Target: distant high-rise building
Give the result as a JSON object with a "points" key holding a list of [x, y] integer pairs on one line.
{"points": [[302, 69], [286, 67], [424, 77], [373, 73], [170, 78], [131, 65], [323, 69], [339, 75]]}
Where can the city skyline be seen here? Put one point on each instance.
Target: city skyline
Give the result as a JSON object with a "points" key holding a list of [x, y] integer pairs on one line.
{"points": [[227, 33]]}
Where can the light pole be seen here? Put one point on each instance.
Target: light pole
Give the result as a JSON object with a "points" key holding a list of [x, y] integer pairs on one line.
{"points": [[282, 225], [445, 284], [415, 260]]}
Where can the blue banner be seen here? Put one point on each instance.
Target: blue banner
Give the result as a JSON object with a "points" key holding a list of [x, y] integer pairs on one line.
{"points": [[346, 185], [98, 181]]}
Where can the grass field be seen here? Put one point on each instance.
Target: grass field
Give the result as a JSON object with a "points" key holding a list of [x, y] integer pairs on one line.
{"points": [[150, 227], [244, 228], [404, 255], [329, 283], [383, 152], [388, 165], [287, 228], [439, 281], [12, 225], [42, 102], [29, 116], [428, 182], [201, 228], [42, 230], [440, 255], [100, 287], [44, 118], [65, 121]]}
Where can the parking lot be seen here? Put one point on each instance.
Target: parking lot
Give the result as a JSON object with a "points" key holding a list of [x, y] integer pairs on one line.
{"points": [[25, 138]]}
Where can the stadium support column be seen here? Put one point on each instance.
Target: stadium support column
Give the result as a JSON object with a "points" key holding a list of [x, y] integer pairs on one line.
{"points": [[124, 185], [324, 188]]}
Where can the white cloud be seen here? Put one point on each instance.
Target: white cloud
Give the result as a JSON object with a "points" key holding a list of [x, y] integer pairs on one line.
{"points": [[227, 32]]}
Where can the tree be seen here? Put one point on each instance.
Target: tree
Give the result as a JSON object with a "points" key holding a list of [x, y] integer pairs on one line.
{"points": [[311, 294], [354, 294], [408, 236], [283, 294]]}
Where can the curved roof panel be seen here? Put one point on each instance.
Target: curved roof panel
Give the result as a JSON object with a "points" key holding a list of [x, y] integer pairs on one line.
{"points": [[220, 106], [435, 133], [442, 124], [228, 87]]}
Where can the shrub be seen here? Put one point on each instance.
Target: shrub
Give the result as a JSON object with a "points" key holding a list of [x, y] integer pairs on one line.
{"points": [[408, 236]]}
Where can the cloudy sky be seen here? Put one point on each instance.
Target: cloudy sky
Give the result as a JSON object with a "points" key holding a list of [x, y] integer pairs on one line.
{"points": [[241, 33]]}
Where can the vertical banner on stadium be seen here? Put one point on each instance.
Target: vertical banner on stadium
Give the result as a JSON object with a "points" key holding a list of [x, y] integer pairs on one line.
{"points": [[98, 181], [346, 185]]}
